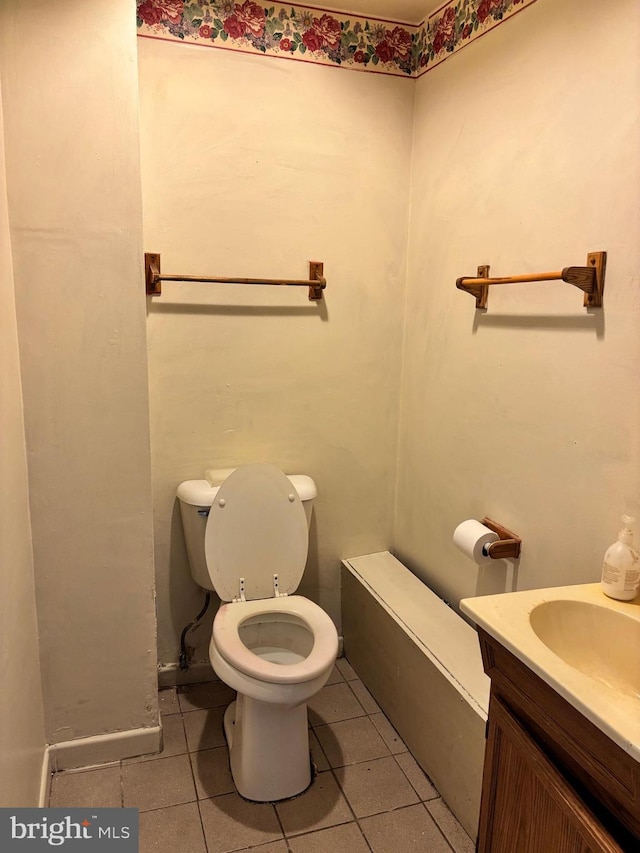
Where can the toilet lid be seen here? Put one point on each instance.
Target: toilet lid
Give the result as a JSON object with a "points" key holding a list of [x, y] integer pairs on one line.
{"points": [[256, 528]]}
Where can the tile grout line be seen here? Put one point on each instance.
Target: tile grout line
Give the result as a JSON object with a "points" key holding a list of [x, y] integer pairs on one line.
{"points": [[204, 834], [193, 776], [450, 845], [332, 769], [366, 840], [349, 683], [355, 817], [437, 797], [280, 823], [442, 833]]}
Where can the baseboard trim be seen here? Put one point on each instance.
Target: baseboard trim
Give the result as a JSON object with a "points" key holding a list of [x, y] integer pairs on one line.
{"points": [[102, 749]]}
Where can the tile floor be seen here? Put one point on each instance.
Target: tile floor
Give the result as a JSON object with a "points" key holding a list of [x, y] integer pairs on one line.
{"points": [[369, 793]]}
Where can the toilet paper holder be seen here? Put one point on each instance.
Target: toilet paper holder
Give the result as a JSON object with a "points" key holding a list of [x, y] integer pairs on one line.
{"points": [[508, 545]]}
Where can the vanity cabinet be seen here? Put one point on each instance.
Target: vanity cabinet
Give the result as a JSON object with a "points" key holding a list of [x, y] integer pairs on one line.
{"points": [[553, 782]]}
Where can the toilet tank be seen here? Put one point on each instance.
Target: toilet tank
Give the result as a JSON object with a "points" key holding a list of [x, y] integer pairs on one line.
{"points": [[196, 497]]}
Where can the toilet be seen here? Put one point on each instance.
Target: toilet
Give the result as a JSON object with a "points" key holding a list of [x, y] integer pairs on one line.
{"points": [[247, 536]]}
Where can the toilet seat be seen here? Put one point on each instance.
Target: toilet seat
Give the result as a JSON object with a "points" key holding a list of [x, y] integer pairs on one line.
{"points": [[256, 529], [230, 646]]}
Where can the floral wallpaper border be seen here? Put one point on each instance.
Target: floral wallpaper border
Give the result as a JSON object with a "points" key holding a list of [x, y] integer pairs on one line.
{"points": [[323, 37]]}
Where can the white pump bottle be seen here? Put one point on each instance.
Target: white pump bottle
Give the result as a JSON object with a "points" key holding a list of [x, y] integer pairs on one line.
{"points": [[621, 568]]}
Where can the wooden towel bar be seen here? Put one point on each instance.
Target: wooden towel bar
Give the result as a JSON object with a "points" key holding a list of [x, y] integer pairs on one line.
{"points": [[153, 278]]}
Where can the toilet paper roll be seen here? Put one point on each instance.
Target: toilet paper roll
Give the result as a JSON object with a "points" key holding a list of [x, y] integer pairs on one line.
{"points": [[471, 536]]}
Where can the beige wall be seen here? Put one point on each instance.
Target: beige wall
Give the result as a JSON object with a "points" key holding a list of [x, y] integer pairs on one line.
{"points": [[22, 739], [71, 134], [251, 167], [526, 157]]}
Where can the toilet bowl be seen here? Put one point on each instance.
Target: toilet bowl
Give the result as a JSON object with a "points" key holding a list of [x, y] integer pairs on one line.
{"points": [[274, 648]]}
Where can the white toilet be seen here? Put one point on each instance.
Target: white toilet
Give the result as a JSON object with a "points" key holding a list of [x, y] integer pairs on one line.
{"points": [[247, 535]]}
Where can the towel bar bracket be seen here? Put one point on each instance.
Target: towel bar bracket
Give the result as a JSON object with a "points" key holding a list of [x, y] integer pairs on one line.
{"points": [[152, 274], [480, 291], [316, 273], [597, 260]]}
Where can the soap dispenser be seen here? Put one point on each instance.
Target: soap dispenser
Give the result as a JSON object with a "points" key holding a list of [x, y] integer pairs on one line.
{"points": [[621, 568]]}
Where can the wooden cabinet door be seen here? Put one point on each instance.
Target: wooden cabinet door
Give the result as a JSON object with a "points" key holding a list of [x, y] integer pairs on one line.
{"points": [[527, 805]]}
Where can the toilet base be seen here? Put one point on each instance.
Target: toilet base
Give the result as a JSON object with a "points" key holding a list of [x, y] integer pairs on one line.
{"points": [[268, 749]]}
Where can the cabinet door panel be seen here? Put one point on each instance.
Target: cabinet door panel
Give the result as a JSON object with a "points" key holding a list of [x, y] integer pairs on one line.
{"points": [[527, 806]]}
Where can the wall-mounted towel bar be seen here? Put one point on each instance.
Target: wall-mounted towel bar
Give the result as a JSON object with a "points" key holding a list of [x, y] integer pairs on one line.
{"points": [[316, 281], [590, 279]]}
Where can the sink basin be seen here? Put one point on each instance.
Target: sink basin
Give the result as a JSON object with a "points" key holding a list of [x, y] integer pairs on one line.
{"points": [[582, 644], [600, 642]]}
